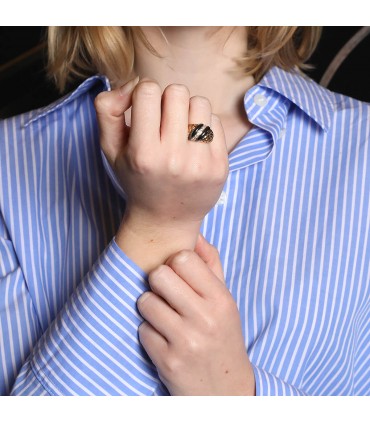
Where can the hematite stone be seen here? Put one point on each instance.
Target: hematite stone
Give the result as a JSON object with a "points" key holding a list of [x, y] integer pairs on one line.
{"points": [[200, 132]]}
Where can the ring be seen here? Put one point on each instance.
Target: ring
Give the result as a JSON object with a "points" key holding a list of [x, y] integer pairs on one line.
{"points": [[199, 132]]}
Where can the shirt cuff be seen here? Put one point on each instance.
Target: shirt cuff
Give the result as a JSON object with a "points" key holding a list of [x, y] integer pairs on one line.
{"points": [[92, 348], [268, 384]]}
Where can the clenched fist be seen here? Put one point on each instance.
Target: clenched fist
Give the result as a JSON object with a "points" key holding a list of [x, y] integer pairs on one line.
{"points": [[171, 183], [166, 177]]}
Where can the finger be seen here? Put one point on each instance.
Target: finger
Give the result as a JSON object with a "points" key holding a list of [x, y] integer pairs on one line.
{"points": [[153, 342], [194, 271], [175, 111], [110, 107], [200, 110], [159, 314], [176, 292], [146, 113], [209, 254]]}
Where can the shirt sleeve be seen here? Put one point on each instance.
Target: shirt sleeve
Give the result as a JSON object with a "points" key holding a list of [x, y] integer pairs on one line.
{"points": [[92, 347], [268, 384]]}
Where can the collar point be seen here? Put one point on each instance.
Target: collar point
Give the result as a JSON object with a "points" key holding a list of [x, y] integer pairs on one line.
{"points": [[82, 88]]}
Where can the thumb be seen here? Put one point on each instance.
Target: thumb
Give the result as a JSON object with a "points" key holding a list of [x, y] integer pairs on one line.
{"points": [[209, 254], [110, 107]]}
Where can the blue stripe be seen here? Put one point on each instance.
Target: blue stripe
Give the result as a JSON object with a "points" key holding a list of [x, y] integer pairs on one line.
{"points": [[292, 228]]}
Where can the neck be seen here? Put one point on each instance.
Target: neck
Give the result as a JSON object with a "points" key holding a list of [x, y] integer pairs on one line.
{"points": [[203, 59]]}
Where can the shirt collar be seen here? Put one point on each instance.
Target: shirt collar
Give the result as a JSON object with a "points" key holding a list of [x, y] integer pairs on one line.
{"points": [[313, 99], [267, 105], [85, 86]]}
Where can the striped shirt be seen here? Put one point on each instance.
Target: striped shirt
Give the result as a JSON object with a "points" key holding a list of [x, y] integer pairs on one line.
{"points": [[292, 227]]}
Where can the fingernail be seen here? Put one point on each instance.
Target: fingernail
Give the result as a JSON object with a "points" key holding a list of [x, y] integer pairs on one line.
{"points": [[143, 297], [128, 87], [182, 256], [145, 78]]}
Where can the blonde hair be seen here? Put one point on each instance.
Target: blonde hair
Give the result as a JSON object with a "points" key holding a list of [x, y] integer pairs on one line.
{"points": [[79, 52]]}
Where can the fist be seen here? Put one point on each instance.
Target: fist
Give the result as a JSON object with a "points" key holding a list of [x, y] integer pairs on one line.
{"points": [[168, 179]]}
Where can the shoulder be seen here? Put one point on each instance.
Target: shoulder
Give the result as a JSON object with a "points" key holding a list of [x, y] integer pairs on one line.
{"points": [[350, 108], [344, 112], [63, 111], [350, 127], [41, 146]]}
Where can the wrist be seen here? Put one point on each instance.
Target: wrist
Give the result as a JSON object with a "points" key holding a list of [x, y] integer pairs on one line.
{"points": [[144, 224], [150, 243]]}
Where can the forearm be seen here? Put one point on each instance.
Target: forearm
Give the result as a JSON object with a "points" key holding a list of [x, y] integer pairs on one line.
{"points": [[92, 347], [149, 243]]}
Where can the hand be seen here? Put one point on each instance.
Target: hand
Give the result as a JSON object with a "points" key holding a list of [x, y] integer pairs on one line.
{"points": [[169, 181], [192, 330]]}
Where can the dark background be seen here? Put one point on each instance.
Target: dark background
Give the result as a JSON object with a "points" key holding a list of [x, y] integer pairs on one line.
{"points": [[24, 86]]}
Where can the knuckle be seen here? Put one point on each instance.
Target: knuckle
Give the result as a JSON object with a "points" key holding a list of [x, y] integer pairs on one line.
{"points": [[210, 326], [227, 305], [197, 168], [172, 366], [200, 102], [147, 89], [174, 165], [214, 252], [178, 90], [140, 163], [104, 102], [215, 118], [197, 172], [192, 346]]}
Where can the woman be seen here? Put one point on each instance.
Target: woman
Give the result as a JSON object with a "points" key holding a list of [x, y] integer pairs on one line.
{"points": [[280, 188]]}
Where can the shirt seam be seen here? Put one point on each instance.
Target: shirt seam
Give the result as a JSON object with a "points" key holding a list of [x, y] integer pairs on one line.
{"points": [[41, 377]]}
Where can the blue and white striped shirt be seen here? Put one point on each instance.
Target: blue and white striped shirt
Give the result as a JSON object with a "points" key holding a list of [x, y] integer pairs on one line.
{"points": [[292, 227]]}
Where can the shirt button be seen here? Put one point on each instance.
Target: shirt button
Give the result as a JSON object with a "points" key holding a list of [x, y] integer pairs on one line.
{"points": [[222, 199], [260, 100], [282, 132]]}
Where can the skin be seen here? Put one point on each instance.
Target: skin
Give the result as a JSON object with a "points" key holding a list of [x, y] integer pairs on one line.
{"points": [[191, 330], [201, 58]]}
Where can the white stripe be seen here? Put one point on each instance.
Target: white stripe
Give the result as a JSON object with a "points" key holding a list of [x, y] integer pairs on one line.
{"points": [[295, 249], [112, 360]]}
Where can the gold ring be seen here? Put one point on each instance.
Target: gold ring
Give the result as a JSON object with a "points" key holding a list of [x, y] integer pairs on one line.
{"points": [[199, 132]]}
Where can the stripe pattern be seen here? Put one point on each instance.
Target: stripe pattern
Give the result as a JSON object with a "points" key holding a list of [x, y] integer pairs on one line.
{"points": [[291, 226]]}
